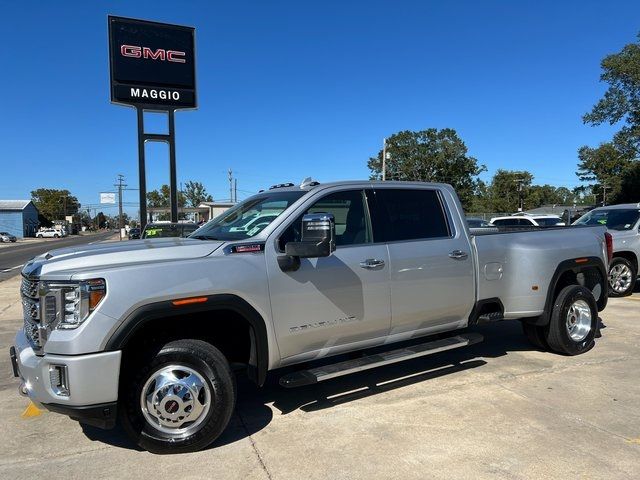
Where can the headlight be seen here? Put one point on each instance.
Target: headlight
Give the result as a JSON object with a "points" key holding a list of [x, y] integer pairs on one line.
{"points": [[67, 305]]}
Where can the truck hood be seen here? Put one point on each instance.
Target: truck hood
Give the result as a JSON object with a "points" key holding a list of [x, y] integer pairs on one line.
{"points": [[65, 262]]}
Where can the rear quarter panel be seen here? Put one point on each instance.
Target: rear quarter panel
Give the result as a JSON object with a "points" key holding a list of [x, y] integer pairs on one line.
{"points": [[511, 265]]}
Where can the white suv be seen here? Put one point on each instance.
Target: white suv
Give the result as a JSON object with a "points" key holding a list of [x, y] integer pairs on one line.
{"points": [[49, 233]]}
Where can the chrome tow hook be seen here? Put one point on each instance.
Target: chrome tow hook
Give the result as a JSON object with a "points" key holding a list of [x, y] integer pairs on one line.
{"points": [[22, 390]]}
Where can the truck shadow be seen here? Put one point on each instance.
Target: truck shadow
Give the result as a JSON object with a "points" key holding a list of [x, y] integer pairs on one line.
{"points": [[256, 406]]}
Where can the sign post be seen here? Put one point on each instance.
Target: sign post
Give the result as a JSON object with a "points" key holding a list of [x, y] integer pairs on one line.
{"points": [[152, 68]]}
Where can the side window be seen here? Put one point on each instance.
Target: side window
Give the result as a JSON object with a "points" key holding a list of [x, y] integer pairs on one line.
{"points": [[508, 222], [409, 215], [349, 211]]}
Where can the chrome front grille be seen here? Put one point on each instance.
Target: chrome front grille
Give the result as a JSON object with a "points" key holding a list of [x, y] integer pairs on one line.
{"points": [[32, 332], [29, 288], [31, 311]]}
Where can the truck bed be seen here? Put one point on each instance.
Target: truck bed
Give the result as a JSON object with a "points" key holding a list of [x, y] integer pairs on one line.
{"points": [[515, 265]]}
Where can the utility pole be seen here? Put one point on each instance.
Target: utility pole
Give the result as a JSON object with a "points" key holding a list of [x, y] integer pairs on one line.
{"points": [[520, 196], [120, 185], [384, 159], [604, 194], [235, 190], [230, 185]]}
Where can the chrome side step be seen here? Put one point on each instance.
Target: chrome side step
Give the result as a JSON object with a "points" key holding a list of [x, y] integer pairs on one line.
{"points": [[326, 372]]}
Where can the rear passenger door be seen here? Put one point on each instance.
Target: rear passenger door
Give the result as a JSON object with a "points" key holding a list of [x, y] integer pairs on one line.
{"points": [[430, 261]]}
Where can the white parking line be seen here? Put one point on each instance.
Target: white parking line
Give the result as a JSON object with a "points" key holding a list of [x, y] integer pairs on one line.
{"points": [[12, 268]]}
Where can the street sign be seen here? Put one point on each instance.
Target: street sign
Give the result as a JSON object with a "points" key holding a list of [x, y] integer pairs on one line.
{"points": [[108, 198], [152, 64]]}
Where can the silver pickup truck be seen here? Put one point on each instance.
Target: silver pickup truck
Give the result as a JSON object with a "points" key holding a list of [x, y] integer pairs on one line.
{"points": [[146, 331]]}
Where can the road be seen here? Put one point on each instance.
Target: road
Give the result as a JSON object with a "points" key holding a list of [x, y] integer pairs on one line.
{"points": [[13, 257]]}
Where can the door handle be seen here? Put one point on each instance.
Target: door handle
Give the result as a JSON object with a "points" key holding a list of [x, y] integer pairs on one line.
{"points": [[458, 255], [371, 263]]}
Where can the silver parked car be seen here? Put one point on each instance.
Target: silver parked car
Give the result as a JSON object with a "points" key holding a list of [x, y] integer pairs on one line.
{"points": [[623, 222], [7, 237], [147, 331]]}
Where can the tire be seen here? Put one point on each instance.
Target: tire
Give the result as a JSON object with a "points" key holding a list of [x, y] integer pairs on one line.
{"points": [[38, 236], [622, 277], [574, 321], [56, 236], [536, 335], [179, 364]]}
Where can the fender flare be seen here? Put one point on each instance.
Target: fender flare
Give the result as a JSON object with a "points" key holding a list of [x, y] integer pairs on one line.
{"points": [[259, 350], [576, 265]]}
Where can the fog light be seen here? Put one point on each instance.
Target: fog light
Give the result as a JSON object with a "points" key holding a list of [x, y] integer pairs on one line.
{"points": [[59, 380]]}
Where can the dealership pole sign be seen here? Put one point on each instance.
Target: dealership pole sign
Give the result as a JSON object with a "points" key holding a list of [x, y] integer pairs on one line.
{"points": [[152, 68]]}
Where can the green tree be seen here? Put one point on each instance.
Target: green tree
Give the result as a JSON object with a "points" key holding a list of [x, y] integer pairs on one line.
{"points": [[506, 188], [430, 155], [161, 198], [100, 220], [604, 165], [630, 186], [621, 101], [53, 204], [195, 193], [607, 165]]}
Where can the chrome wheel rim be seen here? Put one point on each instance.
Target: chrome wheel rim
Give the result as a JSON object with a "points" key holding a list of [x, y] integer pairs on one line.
{"points": [[175, 400], [578, 320], [620, 278]]}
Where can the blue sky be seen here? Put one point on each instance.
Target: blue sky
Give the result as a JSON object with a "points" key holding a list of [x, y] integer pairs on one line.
{"points": [[290, 89]]}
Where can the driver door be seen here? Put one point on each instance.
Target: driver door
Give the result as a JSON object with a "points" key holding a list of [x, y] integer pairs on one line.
{"points": [[330, 303]]}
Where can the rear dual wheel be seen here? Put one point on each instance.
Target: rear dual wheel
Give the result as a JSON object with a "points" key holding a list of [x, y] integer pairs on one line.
{"points": [[573, 324]]}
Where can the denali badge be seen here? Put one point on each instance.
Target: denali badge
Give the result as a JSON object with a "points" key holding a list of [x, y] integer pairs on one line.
{"points": [[328, 323]]}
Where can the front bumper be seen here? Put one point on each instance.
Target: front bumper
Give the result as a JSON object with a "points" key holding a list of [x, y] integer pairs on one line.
{"points": [[92, 381]]}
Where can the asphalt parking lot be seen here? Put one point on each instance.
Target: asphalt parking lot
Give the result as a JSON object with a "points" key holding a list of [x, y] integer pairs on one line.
{"points": [[499, 409]]}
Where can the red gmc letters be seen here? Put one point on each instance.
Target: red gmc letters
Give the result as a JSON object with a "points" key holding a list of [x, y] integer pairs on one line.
{"points": [[133, 51]]}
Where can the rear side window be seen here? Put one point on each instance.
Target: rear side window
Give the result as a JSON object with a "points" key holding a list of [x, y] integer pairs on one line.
{"points": [[548, 222], [511, 222], [404, 214]]}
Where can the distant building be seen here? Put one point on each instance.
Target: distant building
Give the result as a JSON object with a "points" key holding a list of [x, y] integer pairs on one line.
{"points": [[19, 218], [213, 209]]}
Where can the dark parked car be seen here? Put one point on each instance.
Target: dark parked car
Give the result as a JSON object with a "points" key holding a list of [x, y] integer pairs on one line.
{"points": [[134, 233], [478, 223], [160, 230]]}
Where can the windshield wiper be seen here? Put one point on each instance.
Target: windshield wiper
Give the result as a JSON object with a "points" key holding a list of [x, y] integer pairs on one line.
{"points": [[204, 237]]}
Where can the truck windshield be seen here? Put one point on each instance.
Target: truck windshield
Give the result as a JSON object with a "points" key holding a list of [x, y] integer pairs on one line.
{"points": [[612, 218], [248, 218]]}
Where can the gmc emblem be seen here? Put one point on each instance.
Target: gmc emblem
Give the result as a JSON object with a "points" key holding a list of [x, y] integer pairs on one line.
{"points": [[134, 51]]}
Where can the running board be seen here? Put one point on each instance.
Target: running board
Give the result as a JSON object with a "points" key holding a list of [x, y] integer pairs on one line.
{"points": [[326, 372]]}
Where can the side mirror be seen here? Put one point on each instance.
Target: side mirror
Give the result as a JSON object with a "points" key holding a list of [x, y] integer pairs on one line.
{"points": [[318, 237]]}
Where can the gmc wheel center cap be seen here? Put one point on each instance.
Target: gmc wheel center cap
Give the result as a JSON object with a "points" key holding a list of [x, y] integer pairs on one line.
{"points": [[171, 406]]}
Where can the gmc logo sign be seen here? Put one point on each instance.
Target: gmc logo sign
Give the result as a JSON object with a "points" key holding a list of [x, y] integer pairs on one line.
{"points": [[133, 51]]}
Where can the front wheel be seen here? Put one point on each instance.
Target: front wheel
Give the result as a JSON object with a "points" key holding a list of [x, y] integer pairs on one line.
{"points": [[574, 321], [38, 236], [622, 277], [181, 400]]}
